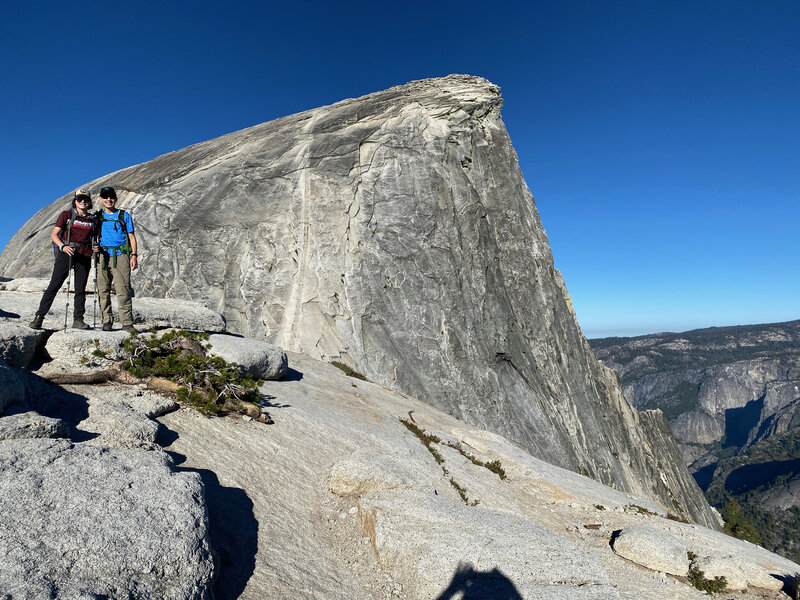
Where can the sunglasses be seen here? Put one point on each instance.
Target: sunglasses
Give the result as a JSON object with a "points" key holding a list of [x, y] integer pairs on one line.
{"points": [[107, 197], [82, 199]]}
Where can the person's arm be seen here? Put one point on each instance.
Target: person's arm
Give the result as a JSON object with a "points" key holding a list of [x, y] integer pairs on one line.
{"points": [[134, 257], [56, 237]]}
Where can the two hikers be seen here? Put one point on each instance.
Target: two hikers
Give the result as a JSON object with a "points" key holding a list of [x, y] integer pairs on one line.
{"points": [[72, 239], [118, 258], [76, 236]]}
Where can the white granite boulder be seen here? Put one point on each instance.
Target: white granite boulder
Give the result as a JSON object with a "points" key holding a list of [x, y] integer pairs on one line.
{"points": [[260, 359], [426, 540], [36, 285], [116, 523], [122, 416], [739, 573], [654, 549], [180, 314]]}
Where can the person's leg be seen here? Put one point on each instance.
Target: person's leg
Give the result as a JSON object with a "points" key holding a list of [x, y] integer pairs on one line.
{"points": [[80, 266], [60, 270], [104, 280], [122, 286]]}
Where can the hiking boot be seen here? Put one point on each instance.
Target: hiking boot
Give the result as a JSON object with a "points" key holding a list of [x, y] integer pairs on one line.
{"points": [[106, 326], [79, 323], [129, 329], [37, 322]]}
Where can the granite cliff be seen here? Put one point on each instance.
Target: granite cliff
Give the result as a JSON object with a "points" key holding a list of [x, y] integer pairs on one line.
{"points": [[395, 233]]}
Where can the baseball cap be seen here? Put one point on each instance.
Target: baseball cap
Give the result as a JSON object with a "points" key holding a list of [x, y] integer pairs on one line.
{"points": [[108, 192]]}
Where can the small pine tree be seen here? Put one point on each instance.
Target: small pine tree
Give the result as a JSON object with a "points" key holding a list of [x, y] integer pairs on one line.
{"points": [[736, 524]]}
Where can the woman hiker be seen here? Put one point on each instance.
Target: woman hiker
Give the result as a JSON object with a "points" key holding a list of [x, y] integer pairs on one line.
{"points": [[117, 257], [72, 240]]}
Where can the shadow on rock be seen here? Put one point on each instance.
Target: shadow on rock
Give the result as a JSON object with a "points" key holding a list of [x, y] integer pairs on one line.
{"points": [[292, 375], [232, 526], [748, 477], [469, 584], [8, 315], [54, 401]]}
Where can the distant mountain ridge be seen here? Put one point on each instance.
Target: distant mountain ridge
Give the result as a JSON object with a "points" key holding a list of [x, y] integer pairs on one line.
{"points": [[732, 397]]}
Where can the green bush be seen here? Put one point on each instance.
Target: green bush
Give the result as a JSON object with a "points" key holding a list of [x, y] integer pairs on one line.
{"points": [[347, 370], [209, 383]]}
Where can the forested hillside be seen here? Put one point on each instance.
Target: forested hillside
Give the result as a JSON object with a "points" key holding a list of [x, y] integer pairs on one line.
{"points": [[732, 397]]}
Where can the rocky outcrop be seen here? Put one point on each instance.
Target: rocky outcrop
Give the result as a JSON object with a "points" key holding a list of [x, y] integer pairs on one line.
{"points": [[356, 492], [395, 233]]}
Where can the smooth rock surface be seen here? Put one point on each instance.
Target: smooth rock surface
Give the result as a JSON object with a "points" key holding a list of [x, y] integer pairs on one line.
{"points": [[112, 523], [393, 232], [653, 549], [260, 359], [536, 562]]}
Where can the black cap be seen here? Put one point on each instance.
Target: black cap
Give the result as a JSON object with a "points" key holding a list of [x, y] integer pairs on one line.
{"points": [[108, 192]]}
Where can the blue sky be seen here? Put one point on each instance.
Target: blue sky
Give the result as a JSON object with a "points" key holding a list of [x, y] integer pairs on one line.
{"points": [[661, 140]]}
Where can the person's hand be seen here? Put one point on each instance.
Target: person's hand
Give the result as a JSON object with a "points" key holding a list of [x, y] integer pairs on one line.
{"points": [[96, 249], [69, 250], [134, 263]]}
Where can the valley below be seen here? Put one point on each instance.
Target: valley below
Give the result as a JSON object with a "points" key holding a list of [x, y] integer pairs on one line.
{"points": [[732, 398]]}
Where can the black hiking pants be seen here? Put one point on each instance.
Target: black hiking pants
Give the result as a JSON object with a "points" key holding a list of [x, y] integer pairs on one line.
{"points": [[81, 265]]}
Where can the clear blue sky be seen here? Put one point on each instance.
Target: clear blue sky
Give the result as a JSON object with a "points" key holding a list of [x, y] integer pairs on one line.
{"points": [[661, 140]]}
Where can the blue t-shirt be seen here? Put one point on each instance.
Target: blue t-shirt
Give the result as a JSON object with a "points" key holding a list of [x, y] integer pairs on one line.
{"points": [[111, 233]]}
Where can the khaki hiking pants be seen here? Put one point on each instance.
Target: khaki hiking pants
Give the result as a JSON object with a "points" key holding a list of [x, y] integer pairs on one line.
{"points": [[120, 278]]}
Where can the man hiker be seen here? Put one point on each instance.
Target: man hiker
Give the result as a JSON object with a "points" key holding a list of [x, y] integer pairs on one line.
{"points": [[117, 259], [72, 243]]}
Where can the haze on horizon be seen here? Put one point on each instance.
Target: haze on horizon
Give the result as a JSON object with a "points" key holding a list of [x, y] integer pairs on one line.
{"points": [[661, 141]]}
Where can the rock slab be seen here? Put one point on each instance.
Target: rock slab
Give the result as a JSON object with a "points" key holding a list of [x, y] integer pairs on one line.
{"points": [[653, 549]]}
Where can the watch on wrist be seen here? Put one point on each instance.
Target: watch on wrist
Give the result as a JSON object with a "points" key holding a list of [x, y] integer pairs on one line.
{"points": [[134, 254]]}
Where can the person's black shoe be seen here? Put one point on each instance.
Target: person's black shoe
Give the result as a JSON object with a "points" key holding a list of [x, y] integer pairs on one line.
{"points": [[37, 322], [106, 326], [79, 323]]}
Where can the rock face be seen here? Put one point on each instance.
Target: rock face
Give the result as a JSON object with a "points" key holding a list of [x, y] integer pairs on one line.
{"points": [[393, 232]]}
